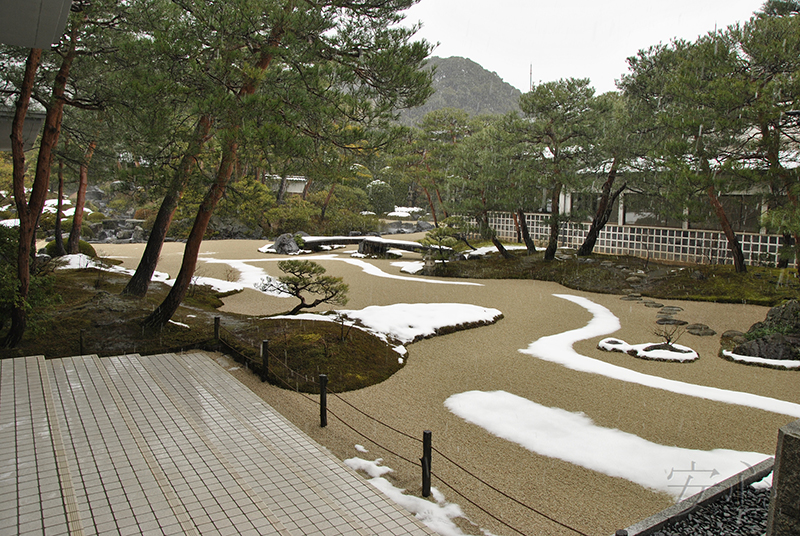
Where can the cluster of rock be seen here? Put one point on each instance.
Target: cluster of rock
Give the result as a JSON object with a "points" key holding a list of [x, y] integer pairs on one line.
{"points": [[777, 337], [665, 316], [118, 230], [406, 227]]}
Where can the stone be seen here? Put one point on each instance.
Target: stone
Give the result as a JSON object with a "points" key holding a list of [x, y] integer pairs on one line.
{"points": [[671, 309], [124, 234], [631, 297], [654, 305], [784, 514], [700, 330], [786, 315], [633, 279], [285, 245], [423, 226], [732, 338], [671, 322], [773, 346]]}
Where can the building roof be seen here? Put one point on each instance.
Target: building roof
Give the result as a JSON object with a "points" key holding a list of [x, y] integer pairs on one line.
{"points": [[33, 23]]}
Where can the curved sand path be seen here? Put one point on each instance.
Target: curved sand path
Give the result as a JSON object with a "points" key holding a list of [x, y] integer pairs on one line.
{"points": [[489, 359]]}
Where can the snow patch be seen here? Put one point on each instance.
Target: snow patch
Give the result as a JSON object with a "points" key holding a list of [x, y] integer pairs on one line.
{"points": [[684, 354], [557, 433], [777, 363], [558, 349], [436, 516]]}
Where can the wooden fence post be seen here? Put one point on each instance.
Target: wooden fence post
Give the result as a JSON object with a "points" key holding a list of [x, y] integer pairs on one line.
{"points": [[264, 360], [426, 463], [216, 328], [323, 400]]}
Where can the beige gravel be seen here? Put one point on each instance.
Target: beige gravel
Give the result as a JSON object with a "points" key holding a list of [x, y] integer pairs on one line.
{"points": [[488, 359]]}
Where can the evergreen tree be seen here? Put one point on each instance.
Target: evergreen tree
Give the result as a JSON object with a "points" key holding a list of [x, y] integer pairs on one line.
{"points": [[333, 67]]}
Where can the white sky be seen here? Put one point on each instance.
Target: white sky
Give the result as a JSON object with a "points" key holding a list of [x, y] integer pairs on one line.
{"points": [[578, 39]]}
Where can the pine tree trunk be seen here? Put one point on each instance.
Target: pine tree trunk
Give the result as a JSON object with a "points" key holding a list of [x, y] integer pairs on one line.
{"points": [[282, 190], [501, 248], [73, 244], [430, 204], [783, 262], [555, 222], [140, 281], [29, 213], [326, 202], [161, 315], [526, 234], [733, 242], [60, 251], [603, 213]]}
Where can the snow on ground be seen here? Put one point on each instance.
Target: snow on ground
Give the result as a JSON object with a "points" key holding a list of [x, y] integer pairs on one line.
{"points": [[560, 434], [558, 349], [249, 276], [435, 515], [406, 322], [410, 267], [777, 363], [80, 261], [684, 353], [374, 270], [10, 223], [480, 252]]}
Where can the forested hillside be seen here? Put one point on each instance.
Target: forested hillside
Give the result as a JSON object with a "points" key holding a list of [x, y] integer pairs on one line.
{"points": [[462, 83]]}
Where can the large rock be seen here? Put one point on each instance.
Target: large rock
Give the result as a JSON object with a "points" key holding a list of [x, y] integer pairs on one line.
{"points": [[774, 346], [285, 245], [786, 316], [777, 337]]}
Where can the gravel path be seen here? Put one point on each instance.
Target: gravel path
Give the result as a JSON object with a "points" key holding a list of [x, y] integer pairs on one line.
{"points": [[742, 513], [488, 359]]}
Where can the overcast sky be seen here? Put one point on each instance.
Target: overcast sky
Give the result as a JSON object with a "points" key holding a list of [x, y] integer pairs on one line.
{"points": [[572, 38]]}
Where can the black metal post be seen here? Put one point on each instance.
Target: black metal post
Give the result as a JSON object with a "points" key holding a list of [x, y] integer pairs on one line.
{"points": [[216, 328], [426, 463], [264, 360], [323, 400]]}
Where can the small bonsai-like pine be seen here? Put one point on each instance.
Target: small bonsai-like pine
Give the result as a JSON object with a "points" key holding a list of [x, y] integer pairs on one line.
{"points": [[302, 277]]}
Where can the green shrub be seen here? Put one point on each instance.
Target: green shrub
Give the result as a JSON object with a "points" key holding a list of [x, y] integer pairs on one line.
{"points": [[95, 217], [84, 247]]}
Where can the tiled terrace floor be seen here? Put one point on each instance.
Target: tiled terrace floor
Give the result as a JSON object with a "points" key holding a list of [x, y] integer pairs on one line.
{"points": [[166, 444]]}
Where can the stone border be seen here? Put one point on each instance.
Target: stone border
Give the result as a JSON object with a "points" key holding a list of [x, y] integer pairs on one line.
{"points": [[682, 509]]}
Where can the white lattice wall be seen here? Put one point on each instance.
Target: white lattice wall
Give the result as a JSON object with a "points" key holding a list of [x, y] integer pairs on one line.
{"points": [[661, 243]]}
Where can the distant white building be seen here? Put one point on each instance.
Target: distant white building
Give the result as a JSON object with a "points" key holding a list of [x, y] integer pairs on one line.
{"points": [[295, 185]]}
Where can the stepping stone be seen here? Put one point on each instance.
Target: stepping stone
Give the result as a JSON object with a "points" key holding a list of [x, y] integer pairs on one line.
{"points": [[671, 309], [671, 322], [631, 297], [701, 330], [654, 305], [634, 279]]}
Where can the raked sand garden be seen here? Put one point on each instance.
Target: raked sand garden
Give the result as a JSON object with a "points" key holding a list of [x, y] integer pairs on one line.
{"points": [[596, 440]]}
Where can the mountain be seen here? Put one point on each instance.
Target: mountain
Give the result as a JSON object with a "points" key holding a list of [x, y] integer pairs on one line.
{"points": [[462, 83]]}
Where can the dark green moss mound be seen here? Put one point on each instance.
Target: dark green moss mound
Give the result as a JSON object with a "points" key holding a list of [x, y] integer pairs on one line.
{"points": [[301, 350], [84, 247]]}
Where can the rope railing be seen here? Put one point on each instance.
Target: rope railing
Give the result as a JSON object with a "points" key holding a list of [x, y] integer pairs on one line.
{"points": [[219, 331]]}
